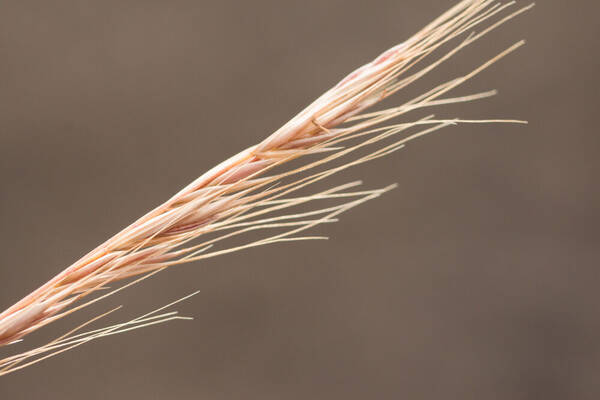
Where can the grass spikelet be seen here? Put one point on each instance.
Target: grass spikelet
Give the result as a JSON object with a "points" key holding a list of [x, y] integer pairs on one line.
{"points": [[257, 190]]}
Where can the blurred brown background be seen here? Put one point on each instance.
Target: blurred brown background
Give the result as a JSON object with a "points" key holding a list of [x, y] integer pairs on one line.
{"points": [[476, 279]]}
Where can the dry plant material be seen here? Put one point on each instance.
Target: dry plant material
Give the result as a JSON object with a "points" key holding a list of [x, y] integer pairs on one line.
{"points": [[253, 191]]}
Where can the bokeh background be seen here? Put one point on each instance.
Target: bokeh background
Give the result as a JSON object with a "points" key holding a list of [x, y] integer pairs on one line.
{"points": [[476, 279]]}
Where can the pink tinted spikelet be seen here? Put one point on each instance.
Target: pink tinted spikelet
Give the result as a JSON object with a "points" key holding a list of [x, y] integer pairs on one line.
{"points": [[253, 191]]}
